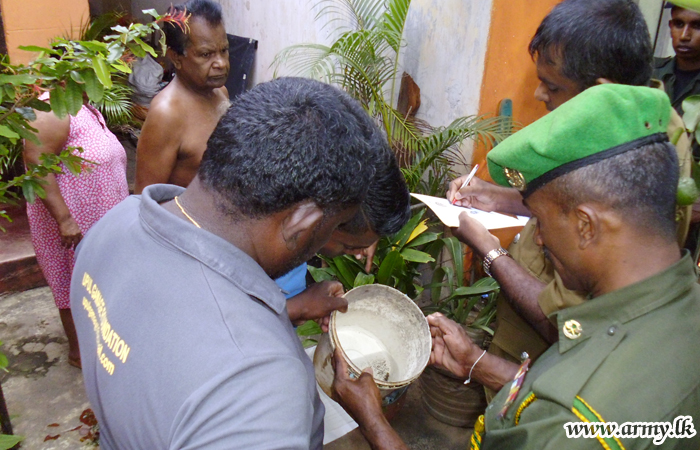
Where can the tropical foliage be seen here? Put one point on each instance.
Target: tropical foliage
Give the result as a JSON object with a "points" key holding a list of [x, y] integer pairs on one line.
{"points": [[364, 61], [67, 69]]}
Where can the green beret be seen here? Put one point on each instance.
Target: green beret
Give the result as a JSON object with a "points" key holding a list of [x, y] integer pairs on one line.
{"points": [[601, 122], [687, 4]]}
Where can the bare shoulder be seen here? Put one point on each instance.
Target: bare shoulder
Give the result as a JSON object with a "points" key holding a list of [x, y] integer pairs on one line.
{"points": [[167, 107]]}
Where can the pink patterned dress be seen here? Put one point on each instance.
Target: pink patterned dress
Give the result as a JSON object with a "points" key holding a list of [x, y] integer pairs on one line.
{"points": [[88, 197]]}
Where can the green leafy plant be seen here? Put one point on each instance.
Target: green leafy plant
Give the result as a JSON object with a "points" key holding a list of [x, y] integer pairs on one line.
{"points": [[67, 69], [364, 61], [473, 306], [396, 260]]}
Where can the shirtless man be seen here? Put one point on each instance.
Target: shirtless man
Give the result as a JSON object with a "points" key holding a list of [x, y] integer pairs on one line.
{"points": [[184, 114]]}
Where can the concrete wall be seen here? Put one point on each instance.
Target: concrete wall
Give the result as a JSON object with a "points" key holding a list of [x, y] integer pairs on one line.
{"points": [[445, 53], [275, 25], [36, 22]]}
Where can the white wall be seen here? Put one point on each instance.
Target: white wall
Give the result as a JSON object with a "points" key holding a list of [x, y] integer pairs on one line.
{"points": [[447, 42], [446, 45], [275, 24]]}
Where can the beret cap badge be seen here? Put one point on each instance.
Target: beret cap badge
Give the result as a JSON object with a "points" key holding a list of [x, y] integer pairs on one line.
{"points": [[515, 178]]}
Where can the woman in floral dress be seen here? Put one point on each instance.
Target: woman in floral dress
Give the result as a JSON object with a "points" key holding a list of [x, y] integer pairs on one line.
{"points": [[72, 203]]}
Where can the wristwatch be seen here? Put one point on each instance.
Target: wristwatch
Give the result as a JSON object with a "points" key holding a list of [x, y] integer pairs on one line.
{"points": [[491, 256]]}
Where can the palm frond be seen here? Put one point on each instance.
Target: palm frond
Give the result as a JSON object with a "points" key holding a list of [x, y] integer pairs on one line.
{"points": [[364, 61], [116, 105]]}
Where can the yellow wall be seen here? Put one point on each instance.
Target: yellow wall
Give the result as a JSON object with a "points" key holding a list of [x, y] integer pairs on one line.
{"points": [[509, 71], [36, 22]]}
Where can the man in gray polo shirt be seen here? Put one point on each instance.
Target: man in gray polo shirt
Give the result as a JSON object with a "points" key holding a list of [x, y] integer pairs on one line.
{"points": [[185, 339]]}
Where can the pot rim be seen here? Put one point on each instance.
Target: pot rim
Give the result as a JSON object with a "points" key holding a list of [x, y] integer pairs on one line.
{"points": [[356, 371]]}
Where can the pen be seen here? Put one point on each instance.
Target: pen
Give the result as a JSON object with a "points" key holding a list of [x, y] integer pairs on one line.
{"points": [[469, 178]]}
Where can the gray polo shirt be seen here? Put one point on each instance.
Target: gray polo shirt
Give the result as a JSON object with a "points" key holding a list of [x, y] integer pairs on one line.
{"points": [[185, 341]]}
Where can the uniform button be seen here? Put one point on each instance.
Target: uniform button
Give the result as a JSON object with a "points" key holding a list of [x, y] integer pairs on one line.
{"points": [[572, 329], [611, 331]]}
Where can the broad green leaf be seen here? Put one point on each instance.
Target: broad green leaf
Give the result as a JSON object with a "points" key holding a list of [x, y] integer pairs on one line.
{"points": [[691, 112], [9, 92], [17, 80], [28, 190], [77, 77], [363, 279], [405, 232], [322, 274], [468, 291], [102, 71], [95, 46], [9, 441], [307, 343], [420, 228], [151, 12], [3, 361], [26, 112], [22, 128], [39, 105], [74, 97], [136, 50], [346, 271], [437, 284], [309, 328], [35, 48], [456, 252], [58, 102], [486, 281], [424, 238], [93, 87], [413, 255], [115, 52], [146, 47], [392, 262], [121, 66], [8, 133]]}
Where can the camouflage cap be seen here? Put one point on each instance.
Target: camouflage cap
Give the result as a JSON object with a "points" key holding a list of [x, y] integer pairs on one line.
{"points": [[599, 123]]}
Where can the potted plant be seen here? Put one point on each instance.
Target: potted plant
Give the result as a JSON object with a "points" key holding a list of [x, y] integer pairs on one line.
{"points": [[445, 396]]}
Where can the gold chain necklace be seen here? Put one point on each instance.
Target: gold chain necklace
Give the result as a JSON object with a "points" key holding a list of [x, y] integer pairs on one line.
{"points": [[177, 202]]}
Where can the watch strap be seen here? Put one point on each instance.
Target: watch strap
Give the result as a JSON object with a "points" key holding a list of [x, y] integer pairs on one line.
{"points": [[491, 257]]}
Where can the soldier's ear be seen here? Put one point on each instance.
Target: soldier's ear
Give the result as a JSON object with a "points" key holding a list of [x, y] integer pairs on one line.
{"points": [[588, 225]]}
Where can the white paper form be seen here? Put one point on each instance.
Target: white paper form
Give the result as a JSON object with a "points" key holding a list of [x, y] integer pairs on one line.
{"points": [[449, 214]]}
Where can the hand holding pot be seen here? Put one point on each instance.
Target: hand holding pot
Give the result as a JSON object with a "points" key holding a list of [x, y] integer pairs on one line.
{"points": [[452, 349], [359, 397], [318, 301]]}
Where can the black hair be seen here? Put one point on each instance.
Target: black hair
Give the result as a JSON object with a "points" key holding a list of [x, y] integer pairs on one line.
{"points": [[387, 206], [596, 39], [289, 140], [175, 36], [640, 185]]}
